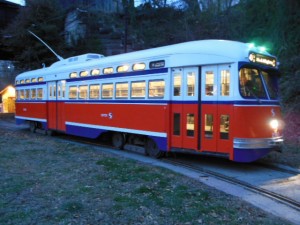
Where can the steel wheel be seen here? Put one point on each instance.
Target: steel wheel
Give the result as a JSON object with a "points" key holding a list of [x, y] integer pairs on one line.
{"points": [[32, 126], [153, 150], [118, 140]]}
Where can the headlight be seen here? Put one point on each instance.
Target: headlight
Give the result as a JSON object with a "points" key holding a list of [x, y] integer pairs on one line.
{"points": [[274, 124]]}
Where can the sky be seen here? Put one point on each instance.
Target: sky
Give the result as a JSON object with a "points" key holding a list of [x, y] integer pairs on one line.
{"points": [[20, 2]]}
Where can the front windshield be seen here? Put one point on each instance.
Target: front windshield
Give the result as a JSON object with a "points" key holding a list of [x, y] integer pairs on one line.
{"points": [[252, 84], [271, 84]]}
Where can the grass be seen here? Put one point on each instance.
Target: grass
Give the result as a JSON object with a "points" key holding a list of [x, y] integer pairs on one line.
{"points": [[48, 181]]}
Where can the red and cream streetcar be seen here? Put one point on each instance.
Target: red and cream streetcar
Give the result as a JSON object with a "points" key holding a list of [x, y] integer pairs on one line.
{"points": [[211, 97]]}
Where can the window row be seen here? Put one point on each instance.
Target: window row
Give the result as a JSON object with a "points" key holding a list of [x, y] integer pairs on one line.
{"points": [[119, 69], [35, 93], [119, 90], [32, 80]]}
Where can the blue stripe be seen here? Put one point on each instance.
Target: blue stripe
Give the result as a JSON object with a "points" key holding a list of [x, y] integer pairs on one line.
{"points": [[30, 84], [115, 75]]}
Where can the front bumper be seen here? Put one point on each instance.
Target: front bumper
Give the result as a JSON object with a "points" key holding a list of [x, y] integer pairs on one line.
{"points": [[251, 149]]}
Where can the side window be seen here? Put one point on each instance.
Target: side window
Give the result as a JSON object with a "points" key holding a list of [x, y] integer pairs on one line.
{"points": [[27, 94], [94, 91], [50, 91], [156, 89], [225, 83], [176, 119], [138, 89], [40, 93], [22, 96], [72, 92], [122, 90], [33, 93], [208, 130], [83, 92], [177, 81], [107, 90], [190, 125], [191, 79], [224, 127]]}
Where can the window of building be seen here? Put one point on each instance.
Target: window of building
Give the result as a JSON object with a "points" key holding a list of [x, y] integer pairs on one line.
{"points": [[94, 91], [107, 91], [27, 81], [156, 89], [122, 90], [22, 82], [40, 79], [72, 92], [33, 80], [138, 89]]}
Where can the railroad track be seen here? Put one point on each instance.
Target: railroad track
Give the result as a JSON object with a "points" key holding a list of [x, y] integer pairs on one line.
{"points": [[274, 196]]}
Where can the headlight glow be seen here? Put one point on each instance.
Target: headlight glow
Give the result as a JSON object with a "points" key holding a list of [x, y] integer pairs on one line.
{"points": [[274, 124]]}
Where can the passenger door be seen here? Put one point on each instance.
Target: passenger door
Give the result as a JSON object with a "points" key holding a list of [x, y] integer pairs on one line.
{"points": [[51, 105], [216, 108], [184, 108], [56, 97]]}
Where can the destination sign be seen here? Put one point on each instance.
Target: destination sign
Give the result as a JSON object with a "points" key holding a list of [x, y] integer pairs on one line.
{"points": [[262, 59]]}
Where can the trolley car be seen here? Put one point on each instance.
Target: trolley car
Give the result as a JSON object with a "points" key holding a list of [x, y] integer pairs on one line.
{"points": [[212, 97]]}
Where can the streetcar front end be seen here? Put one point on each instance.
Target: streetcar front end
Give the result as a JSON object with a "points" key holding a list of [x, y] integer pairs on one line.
{"points": [[258, 120]]}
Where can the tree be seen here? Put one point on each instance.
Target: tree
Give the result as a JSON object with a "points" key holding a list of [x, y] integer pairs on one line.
{"points": [[45, 19]]}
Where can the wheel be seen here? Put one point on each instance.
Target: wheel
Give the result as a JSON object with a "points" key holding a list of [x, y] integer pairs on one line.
{"points": [[118, 140], [32, 127], [153, 150]]}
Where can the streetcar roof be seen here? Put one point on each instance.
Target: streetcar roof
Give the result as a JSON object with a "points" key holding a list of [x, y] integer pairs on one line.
{"points": [[223, 49]]}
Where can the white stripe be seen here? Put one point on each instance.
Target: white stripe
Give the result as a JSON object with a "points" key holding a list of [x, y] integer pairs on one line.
{"points": [[157, 134], [30, 118], [256, 105]]}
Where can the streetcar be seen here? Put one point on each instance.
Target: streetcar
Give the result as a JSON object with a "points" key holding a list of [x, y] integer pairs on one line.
{"points": [[210, 97]]}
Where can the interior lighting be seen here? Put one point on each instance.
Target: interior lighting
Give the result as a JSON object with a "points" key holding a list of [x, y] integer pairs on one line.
{"points": [[123, 68], [139, 66]]}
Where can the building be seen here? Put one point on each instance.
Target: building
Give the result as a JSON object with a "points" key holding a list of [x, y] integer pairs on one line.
{"points": [[7, 97]]}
